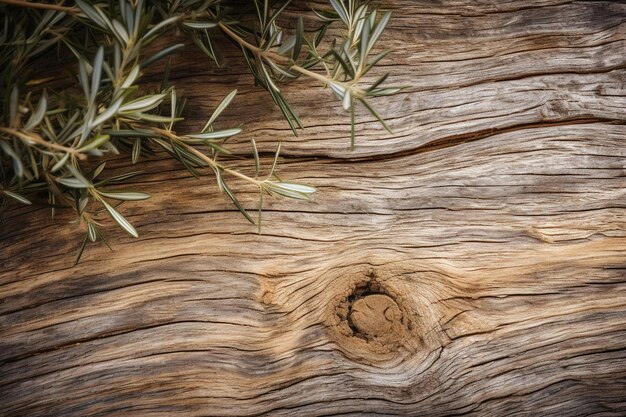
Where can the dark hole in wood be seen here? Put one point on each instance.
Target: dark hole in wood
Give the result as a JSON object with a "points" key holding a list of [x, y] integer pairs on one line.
{"points": [[363, 290]]}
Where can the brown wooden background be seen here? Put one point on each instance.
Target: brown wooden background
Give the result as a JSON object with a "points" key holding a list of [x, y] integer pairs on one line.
{"points": [[472, 263]]}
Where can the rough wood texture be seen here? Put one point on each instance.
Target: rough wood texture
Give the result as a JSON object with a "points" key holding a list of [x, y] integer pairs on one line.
{"points": [[472, 263]]}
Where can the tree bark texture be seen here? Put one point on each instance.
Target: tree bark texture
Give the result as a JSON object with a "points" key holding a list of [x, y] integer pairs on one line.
{"points": [[474, 262]]}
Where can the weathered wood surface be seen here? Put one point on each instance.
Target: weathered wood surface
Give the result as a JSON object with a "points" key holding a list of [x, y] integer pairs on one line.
{"points": [[472, 263]]}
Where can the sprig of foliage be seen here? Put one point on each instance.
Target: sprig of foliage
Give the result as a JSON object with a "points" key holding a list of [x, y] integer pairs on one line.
{"points": [[273, 57], [52, 139]]}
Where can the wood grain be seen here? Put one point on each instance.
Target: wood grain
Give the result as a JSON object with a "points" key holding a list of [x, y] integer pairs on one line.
{"points": [[472, 263]]}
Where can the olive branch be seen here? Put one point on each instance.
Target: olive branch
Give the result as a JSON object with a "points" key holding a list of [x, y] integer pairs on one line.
{"points": [[50, 139]]}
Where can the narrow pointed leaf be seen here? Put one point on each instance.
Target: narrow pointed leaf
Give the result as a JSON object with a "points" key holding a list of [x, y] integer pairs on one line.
{"points": [[124, 195], [96, 74], [220, 108], [200, 25], [232, 197], [17, 197], [38, 114], [120, 219], [142, 104], [218, 134]]}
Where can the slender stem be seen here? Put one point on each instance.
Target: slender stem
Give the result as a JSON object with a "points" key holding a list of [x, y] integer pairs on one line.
{"points": [[33, 137], [241, 41], [211, 162], [216, 165], [56, 191], [37, 5], [356, 92], [253, 48], [313, 75]]}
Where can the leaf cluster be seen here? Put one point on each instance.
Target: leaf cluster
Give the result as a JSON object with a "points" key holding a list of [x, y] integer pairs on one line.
{"points": [[55, 142]]}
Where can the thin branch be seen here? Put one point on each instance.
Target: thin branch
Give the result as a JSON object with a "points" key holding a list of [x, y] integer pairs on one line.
{"points": [[33, 137], [211, 162], [45, 6], [278, 58]]}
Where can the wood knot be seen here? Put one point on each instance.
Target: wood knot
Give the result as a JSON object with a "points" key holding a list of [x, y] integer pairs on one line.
{"points": [[372, 323], [374, 316], [386, 316]]}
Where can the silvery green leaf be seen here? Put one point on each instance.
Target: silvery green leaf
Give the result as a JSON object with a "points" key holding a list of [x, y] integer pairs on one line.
{"points": [[220, 108], [120, 219], [232, 197], [92, 13], [218, 134], [270, 23], [359, 17], [60, 163], [124, 195], [128, 132], [86, 127], [374, 61], [200, 25], [347, 100], [120, 31], [275, 162], [82, 204], [99, 153], [121, 177], [272, 41], [139, 11], [142, 104], [82, 77], [156, 118], [287, 45], [349, 54], [341, 10], [73, 182], [98, 170], [78, 174], [107, 114], [295, 52], [131, 77], [16, 197], [172, 106], [91, 232], [338, 89], [277, 68], [161, 25], [376, 115], [257, 163], [136, 151], [38, 114], [290, 190], [295, 187], [378, 82], [347, 68], [95, 143], [18, 166], [327, 16], [96, 74], [126, 12], [82, 247], [365, 34], [378, 30]]}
